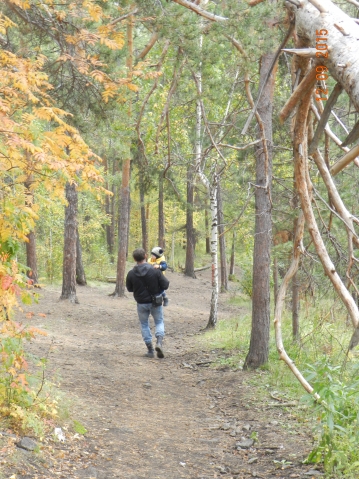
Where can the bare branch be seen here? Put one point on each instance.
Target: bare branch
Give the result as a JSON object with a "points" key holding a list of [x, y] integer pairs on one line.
{"points": [[319, 6], [148, 47], [239, 147], [123, 17], [195, 8], [325, 116], [345, 160], [301, 52], [353, 135]]}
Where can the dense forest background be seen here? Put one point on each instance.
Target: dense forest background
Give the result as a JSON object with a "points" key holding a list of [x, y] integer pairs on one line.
{"points": [[219, 131]]}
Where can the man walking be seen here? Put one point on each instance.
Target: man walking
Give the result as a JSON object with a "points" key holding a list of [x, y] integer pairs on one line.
{"points": [[145, 282]]}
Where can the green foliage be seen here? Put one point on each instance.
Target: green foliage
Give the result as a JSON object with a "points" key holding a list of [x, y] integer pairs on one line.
{"points": [[337, 414], [79, 428]]}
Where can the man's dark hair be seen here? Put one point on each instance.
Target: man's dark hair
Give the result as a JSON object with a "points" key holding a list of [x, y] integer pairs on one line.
{"points": [[139, 254]]}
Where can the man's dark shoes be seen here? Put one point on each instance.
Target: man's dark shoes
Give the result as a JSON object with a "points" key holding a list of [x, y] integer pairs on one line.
{"points": [[151, 352], [159, 347]]}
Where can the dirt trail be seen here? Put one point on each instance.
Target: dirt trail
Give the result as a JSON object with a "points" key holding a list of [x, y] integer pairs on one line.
{"points": [[149, 418]]}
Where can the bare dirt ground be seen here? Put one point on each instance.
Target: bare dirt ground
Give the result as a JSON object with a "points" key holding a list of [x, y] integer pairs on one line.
{"points": [[178, 417]]}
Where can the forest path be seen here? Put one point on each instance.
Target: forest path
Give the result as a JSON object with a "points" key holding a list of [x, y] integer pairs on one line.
{"points": [[150, 418]]}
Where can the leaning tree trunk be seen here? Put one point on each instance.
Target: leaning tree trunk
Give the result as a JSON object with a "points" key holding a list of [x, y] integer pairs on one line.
{"points": [[190, 247], [161, 215], [341, 41], [259, 344], [80, 271], [222, 242], [70, 238]]}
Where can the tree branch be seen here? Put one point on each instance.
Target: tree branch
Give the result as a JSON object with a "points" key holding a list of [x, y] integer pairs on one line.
{"points": [[345, 160], [199, 11], [325, 116], [148, 47], [304, 87]]}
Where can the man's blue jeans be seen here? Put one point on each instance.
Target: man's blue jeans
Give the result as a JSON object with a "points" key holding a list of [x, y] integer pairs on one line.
{"points": [[144, 311]]}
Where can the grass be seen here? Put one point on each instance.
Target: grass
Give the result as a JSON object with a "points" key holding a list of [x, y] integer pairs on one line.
{"points": [[320, 355]]}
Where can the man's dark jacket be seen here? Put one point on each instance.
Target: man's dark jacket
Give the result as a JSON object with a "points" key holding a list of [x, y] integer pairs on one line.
{"points": [[144, 280]]}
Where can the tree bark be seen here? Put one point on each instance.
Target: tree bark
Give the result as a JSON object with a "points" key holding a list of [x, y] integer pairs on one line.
{"points": [[222, 242], [190, 246], [212, 321], [275, 280], [110, 228], [206, 223], [143, 211], [161, 215], [343, 49], [123, 229], [31, 260], [70, 238], [259, 344], [231, 266], [80, 271], [295, 306]]}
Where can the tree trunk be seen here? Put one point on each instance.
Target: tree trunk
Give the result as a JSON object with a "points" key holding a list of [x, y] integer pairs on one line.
{"points": [[342, 59], [295, 306], [80, 272], [31, 260], [123, 226], [161, 215], [222, 242], [123, 229], [143, 211], [70, 238], [231, 265], [110, 228], [259, 344], [295, 284], [275, 279], [214, 254], [190, 247], [208, 239]]}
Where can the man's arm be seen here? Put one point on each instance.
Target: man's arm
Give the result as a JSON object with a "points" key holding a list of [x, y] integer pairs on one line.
{"points": [[129, 284]]}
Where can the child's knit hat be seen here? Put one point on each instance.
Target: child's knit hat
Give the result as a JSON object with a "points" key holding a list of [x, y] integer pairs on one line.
{"points": [[157, 251]]}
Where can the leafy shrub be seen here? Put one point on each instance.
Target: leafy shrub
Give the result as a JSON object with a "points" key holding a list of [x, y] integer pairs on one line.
{"points": [[337, 415]]}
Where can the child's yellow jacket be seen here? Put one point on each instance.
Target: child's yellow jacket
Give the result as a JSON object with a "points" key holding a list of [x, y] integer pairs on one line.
{"points": [[159, 260]]}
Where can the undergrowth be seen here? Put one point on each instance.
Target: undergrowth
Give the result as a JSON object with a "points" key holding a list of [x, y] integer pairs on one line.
{"points": [[320, 355]]}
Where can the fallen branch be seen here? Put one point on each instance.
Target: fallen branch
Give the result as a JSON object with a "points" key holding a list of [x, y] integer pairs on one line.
{"points": [[344, 161], [324, 117], [353, 135], [202, 268]]}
